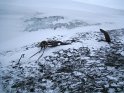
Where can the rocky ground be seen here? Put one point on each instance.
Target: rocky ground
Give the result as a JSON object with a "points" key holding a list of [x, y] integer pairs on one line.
{"points": [[82, 69]]}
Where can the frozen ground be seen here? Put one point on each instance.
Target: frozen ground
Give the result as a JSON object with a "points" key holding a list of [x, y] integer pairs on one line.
{"points": [[89, 64]]}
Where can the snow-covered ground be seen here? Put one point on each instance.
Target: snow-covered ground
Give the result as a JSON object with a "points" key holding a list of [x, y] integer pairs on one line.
{"points": [[25, 23]]}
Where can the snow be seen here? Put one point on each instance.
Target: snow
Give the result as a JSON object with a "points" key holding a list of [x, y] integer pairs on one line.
{"points": [[15, 40], [11, 17]]}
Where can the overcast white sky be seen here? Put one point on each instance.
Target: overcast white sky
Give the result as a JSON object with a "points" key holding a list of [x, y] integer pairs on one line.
{"points": [[118, 4]]}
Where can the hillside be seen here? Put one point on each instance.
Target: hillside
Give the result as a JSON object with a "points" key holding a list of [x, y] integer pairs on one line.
{"points": [[87, 63]]}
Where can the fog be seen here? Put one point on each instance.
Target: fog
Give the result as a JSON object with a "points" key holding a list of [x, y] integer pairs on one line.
{"points": [[118, 4], [12, 10]]}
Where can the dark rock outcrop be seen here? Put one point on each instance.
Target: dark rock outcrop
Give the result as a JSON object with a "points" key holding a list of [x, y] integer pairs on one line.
{"points": [[107, 37]]}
